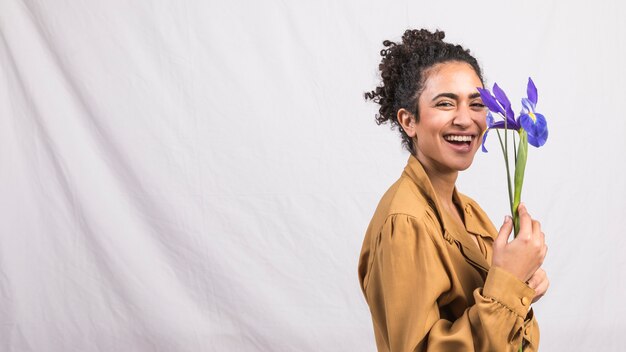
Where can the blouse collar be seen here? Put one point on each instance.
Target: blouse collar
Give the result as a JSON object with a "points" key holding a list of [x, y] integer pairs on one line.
{"points": [[415, 171]]}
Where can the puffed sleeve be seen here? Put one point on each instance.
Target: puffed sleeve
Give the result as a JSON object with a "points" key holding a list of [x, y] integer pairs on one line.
{"points": [[406, 277]]}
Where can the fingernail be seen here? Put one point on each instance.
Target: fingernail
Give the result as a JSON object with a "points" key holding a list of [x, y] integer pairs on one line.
{"points": [[507, 219]]}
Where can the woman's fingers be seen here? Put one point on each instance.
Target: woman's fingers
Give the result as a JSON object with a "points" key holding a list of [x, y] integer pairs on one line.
{"points": [[533, 282], [536, 279], [536, 227], [525, 254], [505, 232], [525, 221], [537, 236], [540, 283]]}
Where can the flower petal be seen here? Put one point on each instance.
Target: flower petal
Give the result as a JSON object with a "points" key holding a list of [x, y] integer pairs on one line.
{"points": [[498, 125], [503, 100], [531, 91], [501, 95], [490, 119], [537, 128], [510, 125], [485, 139], [539, 140], [527, 106], [489, 101]]}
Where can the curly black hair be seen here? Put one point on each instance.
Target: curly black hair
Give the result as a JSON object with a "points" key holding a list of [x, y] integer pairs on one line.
{"points": [[403, 75]]}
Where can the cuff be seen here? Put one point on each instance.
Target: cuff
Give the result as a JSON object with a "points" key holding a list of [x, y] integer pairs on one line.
{"points": [[531, 331], [529, 316], [507, 289]]}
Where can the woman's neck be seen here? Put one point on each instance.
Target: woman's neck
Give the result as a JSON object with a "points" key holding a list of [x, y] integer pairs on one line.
{"points": [[444, 187], [443, 183]]}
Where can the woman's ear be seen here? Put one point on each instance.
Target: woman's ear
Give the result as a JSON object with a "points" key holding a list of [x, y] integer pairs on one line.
{"points": [[407, 122]]}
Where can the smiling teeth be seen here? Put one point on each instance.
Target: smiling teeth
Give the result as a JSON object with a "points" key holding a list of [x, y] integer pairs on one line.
{"points": [[458, 138]]}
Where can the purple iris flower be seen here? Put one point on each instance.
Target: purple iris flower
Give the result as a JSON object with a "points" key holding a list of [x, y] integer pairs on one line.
{"points": [[532, 122]]}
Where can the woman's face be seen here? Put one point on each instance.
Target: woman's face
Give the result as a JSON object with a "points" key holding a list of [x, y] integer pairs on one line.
{"points": [[451, 118]]}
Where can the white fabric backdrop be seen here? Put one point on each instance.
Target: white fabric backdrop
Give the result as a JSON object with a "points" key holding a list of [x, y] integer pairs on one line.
{"points": [[198, 176]]}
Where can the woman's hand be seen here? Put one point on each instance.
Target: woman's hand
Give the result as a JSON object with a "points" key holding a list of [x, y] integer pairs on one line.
{"points": [[524, 255], [540, 283]]}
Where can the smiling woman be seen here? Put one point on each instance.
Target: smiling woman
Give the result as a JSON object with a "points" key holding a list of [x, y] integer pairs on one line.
{"points": [[434, 270], [452, 117]]}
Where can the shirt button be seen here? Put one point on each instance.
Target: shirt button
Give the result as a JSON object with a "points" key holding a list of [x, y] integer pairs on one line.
{"points": [[527, 330], [468, 210], [525, 301]]}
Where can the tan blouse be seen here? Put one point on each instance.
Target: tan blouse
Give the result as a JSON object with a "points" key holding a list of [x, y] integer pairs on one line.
{"points": [[429, 287]]}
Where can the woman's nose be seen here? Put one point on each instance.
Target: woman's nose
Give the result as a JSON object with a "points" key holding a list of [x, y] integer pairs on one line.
{"points": [[463, 117]]}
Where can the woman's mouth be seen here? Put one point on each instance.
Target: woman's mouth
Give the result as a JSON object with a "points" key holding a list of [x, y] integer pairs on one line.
{"points": [[461, 143]]}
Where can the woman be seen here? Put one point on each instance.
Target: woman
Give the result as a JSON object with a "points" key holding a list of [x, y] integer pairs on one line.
{"points": [[435, 272]]}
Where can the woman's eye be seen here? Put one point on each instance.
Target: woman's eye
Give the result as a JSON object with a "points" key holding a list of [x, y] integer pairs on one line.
{"points": [[445, 104], [478, 105]]}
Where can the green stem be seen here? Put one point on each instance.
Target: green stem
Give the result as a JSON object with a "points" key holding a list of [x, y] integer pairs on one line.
{"points": [[514, 149], [520, 167], [506, 152], [508, 172]]}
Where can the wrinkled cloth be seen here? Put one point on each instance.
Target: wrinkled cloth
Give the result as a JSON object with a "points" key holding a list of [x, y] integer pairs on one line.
{"points": [[429, 287]]}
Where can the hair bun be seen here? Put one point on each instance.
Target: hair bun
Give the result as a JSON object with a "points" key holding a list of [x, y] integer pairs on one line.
{"points": [[415, 36]]}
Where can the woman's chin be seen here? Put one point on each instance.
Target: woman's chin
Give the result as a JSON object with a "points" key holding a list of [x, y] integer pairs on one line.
{"points": [[463, 165]]}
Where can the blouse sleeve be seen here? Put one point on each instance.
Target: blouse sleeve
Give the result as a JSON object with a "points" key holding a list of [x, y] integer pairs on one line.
{"points": [[407, 276]]}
